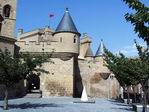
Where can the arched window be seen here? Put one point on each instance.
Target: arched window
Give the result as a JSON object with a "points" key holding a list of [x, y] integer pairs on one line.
{"points": [[6, 11]]}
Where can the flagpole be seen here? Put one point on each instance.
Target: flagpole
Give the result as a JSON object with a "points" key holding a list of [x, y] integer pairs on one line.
{"points": [[50, 16], [50, 23]]}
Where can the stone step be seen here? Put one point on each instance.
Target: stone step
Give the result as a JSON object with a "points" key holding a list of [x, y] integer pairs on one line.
{"points": [[33, 95], [35, 91]]}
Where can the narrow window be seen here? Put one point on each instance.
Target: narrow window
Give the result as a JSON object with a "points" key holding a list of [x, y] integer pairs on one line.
{"points": [[74, 40], [6, 10], [0, 27], [1, 20], [60, 39]]}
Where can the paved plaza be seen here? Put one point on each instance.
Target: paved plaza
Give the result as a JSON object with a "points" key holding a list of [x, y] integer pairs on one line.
{"points": [[64, 104]]}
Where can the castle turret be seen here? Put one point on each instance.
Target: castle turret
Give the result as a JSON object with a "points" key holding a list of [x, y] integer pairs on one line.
{"points": [[67, 35], [99, 58], [100, 51], [85, 47]]}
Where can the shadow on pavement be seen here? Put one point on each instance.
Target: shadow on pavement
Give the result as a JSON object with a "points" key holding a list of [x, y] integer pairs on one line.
{"points": [[29, 105], [126, 109], [119, 103], [122, 106]]}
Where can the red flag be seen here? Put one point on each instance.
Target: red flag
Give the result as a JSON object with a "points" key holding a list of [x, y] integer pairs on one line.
{"points": [[51, 15]]}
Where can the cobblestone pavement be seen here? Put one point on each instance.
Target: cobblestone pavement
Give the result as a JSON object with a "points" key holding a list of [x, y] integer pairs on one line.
{"points": [[64, 104]]}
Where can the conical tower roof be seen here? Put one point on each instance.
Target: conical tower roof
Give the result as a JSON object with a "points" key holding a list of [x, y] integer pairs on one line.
{"points": [[89, 52], [66, 24], [100, 51]]}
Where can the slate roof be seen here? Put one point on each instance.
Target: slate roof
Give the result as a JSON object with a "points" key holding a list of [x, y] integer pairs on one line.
{"points": [[66, 24], [100, 50]]}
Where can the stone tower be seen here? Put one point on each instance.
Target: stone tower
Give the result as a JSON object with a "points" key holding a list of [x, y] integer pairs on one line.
{"points": [[68, 35], [60, 81], [8, 12], [7, 24]]}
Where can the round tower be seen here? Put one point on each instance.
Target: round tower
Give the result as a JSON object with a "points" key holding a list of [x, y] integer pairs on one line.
{"points": [[67, 35]]}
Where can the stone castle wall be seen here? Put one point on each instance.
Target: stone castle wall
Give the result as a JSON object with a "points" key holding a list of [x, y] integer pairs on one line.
{"points": [[59, 43], [96, 84], [4, 44], [59, 80], [67, 77], [34, 46]]}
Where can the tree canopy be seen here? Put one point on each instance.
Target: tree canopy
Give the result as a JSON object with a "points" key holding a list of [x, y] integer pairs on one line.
{"points": [[139, 19], [121, 66], [11, 69], [128, 71], [14, 69]]}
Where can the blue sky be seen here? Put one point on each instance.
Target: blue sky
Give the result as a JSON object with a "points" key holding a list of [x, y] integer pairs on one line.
{"points": [[101, 19]]}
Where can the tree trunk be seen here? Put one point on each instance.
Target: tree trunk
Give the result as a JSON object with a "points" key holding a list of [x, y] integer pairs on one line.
{"points": [[6, 99], [128, 95], [135, 98], [122, 94], [145, 99]]}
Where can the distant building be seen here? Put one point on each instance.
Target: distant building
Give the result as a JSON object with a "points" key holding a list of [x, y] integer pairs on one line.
{"points": [[73, 63]]}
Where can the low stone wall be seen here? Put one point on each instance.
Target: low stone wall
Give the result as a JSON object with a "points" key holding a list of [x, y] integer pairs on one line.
{"points": [[17, 90]]}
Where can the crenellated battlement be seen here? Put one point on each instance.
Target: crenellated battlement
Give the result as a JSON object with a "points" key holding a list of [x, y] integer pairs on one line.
{"points": [[35, 43], [50, 46]]}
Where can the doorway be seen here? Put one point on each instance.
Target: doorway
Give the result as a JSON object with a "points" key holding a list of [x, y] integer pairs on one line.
{"points": [[33, 83]]}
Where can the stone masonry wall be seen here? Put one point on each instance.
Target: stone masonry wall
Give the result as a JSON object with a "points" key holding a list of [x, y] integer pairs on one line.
{"points": [[9, 23], [59, 80], [96, 84], [7, 45]]}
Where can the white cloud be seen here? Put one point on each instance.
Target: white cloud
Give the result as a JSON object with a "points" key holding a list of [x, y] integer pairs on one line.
{"points": [[130, 50]]}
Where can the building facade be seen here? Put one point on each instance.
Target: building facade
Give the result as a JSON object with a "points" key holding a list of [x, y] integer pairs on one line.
{"points": [[72, 65]]}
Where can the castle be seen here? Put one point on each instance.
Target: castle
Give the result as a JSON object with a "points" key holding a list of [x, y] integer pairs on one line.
{"points": [[72, 65]]}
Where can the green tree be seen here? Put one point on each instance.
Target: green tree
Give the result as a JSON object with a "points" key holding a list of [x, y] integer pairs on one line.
{"points": [[33, 63], [139, 19], [124, 69], [14, 69], [129, 71], [144, 56]]}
